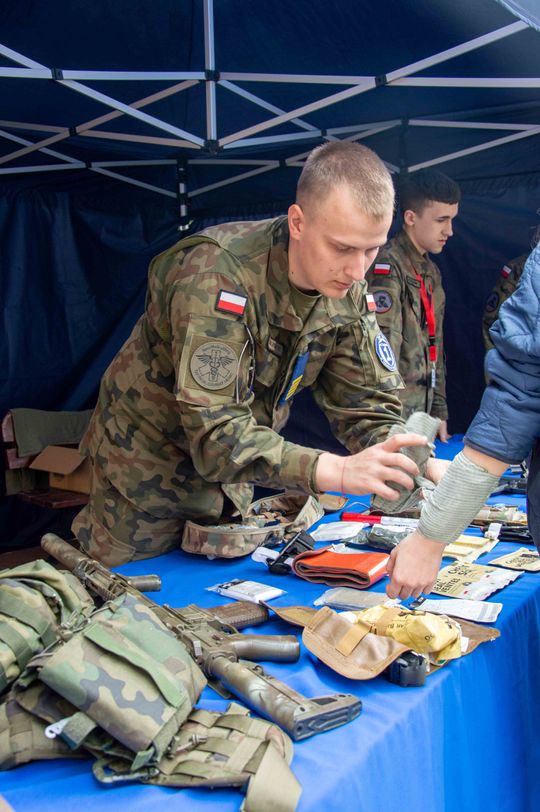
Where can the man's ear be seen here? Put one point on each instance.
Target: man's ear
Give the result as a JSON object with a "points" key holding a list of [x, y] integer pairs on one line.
{"points": [[409, 217], [296, 220]]}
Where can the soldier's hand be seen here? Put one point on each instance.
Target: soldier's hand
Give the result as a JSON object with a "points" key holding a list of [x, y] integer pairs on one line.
{"points": [[413, 566], [443, 431], [372, 470]]}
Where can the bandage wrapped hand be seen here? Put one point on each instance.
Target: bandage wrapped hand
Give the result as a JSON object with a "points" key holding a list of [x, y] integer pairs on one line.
{"points": [[418, 423]]}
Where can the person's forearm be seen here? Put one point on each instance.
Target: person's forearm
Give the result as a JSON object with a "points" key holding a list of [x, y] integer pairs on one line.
{"points": [[459, 496], [491, 464]]}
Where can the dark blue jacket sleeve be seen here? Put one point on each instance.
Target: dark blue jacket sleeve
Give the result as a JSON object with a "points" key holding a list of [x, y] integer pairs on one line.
{"points": [[508, 421]]}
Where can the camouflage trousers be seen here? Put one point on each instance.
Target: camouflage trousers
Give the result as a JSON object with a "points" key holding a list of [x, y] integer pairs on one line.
{"points": [[113, 530]]}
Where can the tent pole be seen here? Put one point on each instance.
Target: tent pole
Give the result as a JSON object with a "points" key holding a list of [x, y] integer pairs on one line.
{"points": [[95, 122], [101, 97], [181, 194], [403, 160], [210, 71], [479, 148], [371, 82]]}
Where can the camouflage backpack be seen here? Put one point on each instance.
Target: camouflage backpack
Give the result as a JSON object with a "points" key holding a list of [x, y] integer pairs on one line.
{"points": [[36, 602]]}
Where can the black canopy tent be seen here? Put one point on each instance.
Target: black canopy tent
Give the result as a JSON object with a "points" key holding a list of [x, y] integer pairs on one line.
{"points": [[125, 125]]}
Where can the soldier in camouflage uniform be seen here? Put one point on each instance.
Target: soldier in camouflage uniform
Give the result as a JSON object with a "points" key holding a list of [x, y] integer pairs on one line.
{"points": [[506, 284], [408, 291], [238, 319]]}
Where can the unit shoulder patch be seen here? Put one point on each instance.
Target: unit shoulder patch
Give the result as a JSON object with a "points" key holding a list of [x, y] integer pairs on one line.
{"points": [[385, 353], [492, 302], [214, 365], [383, 301]]}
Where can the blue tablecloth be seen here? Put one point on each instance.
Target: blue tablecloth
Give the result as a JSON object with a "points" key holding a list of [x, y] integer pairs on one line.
{"points": [[466, 741]]}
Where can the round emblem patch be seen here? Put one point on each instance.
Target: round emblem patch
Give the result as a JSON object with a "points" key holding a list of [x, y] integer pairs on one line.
{"points": [[385, 353], [492, 302], [214, 365], [383, 301]]}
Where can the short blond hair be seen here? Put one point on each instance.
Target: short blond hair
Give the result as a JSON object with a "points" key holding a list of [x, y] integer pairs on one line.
{"points": [[345, 163]]}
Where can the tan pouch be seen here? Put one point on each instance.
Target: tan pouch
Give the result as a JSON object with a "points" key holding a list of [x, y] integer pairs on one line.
{"points": [[349, 648]]}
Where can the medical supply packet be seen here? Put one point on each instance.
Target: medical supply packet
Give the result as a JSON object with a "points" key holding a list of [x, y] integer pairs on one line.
{"points": [[521, 559], [477, 611], [242, 590], [472, 581]]}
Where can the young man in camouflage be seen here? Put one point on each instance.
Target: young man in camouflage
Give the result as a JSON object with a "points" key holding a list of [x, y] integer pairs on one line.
{"points": [[238, 319], [408, 291]]}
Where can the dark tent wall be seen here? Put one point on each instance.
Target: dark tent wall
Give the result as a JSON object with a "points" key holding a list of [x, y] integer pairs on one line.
{"points": [[74, 258]]}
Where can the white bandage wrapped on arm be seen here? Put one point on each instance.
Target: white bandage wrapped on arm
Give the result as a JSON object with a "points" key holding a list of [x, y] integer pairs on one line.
{"points": [[456, 500]]}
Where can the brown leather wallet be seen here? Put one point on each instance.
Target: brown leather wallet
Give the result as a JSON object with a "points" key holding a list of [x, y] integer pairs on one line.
{"points": [[324, 566]]}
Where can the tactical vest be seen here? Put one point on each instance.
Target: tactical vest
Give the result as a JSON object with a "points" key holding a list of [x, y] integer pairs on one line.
{"points": [[36, 600]]}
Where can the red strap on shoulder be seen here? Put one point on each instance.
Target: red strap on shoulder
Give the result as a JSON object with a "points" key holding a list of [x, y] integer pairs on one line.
{"points": [[429, 310]]}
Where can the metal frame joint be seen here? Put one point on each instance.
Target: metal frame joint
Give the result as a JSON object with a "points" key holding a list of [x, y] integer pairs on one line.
{"points": [[211, 146]]}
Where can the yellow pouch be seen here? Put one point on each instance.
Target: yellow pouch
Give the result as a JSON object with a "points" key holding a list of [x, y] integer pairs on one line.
{"points": [[423, 632]]}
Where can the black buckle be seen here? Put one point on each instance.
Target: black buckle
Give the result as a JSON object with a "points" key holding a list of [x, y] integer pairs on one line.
{"points": [[298, 544]]}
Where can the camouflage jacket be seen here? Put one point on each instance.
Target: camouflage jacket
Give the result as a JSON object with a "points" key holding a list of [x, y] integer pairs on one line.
{"points": [[401, 316], [190, 407], [507, 282]]}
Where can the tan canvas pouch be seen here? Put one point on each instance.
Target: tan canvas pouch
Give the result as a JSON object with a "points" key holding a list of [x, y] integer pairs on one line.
{"points": [[349, 648]]}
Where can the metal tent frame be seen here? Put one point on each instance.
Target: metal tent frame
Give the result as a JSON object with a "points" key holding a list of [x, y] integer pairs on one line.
{"points": [[217, 148]]}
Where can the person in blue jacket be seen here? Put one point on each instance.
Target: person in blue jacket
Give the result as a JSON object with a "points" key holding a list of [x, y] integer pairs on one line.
{"points": [[504, 431]]}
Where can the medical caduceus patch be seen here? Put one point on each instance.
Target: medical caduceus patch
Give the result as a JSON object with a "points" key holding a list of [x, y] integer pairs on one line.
{"points": [[214, 365]]}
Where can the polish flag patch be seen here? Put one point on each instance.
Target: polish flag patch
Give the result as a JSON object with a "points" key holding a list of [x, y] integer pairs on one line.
{"points": [[382, 269], [370, 302], [230, 302], [506, 271]]}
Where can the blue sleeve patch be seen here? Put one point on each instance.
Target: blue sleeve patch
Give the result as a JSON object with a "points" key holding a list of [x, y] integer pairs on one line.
{"points": [[385, 353], [296, 378]]}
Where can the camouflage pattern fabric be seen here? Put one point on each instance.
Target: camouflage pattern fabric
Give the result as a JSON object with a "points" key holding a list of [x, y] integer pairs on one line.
{"points": [[269, 519], [35, 601], [507, 282], [223, 749], [22, 731], [401, 317], [189, 411], [128, 674]]}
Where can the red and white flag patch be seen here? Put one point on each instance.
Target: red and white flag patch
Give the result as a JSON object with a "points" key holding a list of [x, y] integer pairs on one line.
{"points": [[382, 269], [370, 301], [506, 271], [231, 302]]}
